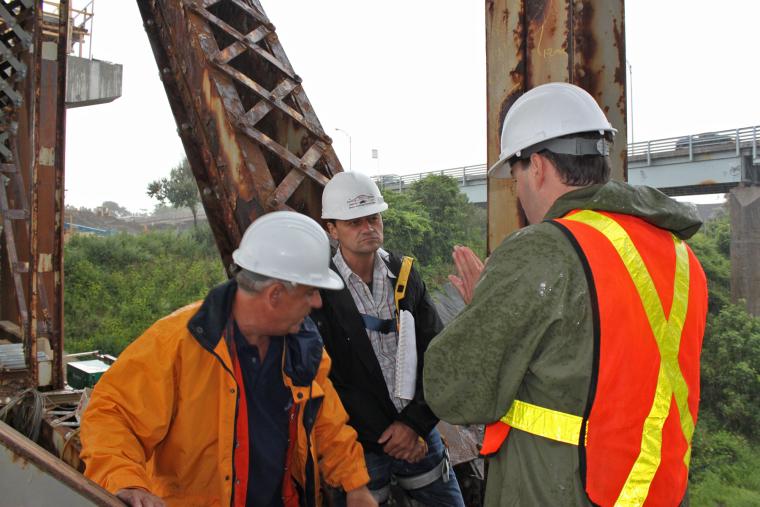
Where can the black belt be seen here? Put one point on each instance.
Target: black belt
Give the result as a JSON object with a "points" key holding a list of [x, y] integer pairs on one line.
{"points": [[384, 326]]}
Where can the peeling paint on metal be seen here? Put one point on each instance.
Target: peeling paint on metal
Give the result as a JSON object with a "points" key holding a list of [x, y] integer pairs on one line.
{"points": [[47, 156]]}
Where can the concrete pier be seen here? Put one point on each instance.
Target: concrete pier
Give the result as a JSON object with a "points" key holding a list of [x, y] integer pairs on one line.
{"points": [[744, 203]]}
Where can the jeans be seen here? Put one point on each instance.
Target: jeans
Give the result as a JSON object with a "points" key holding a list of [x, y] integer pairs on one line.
{"points": [[438, 494]]}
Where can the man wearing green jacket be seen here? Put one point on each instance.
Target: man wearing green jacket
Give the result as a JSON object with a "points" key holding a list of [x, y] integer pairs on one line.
{"points": [[580, 342]]}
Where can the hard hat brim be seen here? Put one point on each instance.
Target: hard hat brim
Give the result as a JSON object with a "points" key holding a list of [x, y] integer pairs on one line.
{"points": [[333, 281], [500, 170], [358, 212]]}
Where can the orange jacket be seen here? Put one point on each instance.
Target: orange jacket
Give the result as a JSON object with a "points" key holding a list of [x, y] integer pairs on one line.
{"points": [[163, 416]]}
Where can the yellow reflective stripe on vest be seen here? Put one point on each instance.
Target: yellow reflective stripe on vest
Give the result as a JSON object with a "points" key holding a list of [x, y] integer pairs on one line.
{"points": [[551, 424], [403, 278], [667, 333]]}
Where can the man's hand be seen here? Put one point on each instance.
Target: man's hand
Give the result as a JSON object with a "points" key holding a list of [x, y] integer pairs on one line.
{"points": [[360, 497], [469, 267], [402, 442], [136, 497]]}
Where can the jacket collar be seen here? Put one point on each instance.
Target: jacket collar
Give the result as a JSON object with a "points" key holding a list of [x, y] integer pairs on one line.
{"points": [[646, 203], [208, 323], [381, 267], [302, 351]]}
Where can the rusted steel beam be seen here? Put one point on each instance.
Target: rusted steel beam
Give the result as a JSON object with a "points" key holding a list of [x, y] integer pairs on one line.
{"points": [[532, 42], [18, 101], [55, 278], [251, 136], [33, 243]]}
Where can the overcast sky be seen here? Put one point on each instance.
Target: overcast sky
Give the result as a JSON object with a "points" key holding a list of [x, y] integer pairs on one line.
{"points": [[408, 78]]}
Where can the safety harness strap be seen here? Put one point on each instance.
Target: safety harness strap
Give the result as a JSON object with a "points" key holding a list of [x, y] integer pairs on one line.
{"points": [[441, 470], [384, 326], [401, 282]]}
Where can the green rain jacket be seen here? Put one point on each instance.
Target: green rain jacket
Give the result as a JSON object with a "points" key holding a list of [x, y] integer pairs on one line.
{"points": [[527, 335]]}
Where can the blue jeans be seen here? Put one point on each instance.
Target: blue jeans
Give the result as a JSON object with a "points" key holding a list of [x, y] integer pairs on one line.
{"points": [[438, 494]]}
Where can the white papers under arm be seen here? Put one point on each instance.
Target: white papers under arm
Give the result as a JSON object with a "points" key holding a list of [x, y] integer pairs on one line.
{"points": [[406, 358]]}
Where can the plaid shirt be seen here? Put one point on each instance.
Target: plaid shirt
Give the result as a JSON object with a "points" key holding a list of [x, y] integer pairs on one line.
{"points": [[379, 303]]}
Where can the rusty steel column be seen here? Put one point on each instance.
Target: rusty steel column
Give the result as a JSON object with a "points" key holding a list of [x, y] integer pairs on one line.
{"points": [[20, 36], [32, 123], [251, 136], [532, 42]]}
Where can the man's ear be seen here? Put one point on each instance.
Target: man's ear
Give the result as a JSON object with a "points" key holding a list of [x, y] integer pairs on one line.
{"points": [[537, 168], [332, 230], [273, 294], [542, 167]]}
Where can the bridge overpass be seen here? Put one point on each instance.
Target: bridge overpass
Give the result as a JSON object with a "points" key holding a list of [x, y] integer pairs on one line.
{"points": [[706, 163]]}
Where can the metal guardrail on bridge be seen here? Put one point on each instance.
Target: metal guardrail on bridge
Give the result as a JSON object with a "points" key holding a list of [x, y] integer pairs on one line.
{"points": [[722, 140], [462, 174]]}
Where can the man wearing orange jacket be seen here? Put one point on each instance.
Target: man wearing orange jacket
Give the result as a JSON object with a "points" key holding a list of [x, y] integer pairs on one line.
{"points": [[227, 401]]}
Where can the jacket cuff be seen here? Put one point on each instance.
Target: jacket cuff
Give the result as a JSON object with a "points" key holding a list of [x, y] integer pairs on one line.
{"points": [[355, 480], [419, 417], [116, 482]]}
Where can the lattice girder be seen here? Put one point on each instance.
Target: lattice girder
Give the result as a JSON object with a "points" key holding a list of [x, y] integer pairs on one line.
{"points": [[251, 136]]}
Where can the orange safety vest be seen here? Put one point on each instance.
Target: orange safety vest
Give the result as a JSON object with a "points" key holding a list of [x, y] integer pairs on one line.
{"points": [[649, 300]]}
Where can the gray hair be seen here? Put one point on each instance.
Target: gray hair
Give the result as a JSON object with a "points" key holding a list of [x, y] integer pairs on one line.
{"points": [[255, 282]]}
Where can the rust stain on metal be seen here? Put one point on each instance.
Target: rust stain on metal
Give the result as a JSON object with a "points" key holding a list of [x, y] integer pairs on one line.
{"points": [[224, 137], [585, 75], [578, 41], [253, 139], [620, 73], [33, 246]]}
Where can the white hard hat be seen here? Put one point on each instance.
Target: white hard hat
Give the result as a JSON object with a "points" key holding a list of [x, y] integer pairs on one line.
{"points": [[288, 246], [350, 195], [545, 113]]}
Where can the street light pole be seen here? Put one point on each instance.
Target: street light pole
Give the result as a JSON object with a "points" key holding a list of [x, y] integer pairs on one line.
{"points": [[630, 78], [350, 151]]}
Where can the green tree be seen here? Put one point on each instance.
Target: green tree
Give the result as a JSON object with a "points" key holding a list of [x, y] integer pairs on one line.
{"points": [[454, 220], [115, 209], [726, 444], [446, 206], [427, 220], [712, 248], [406, 225], [179, 189], [117, 286], [731, 371]]}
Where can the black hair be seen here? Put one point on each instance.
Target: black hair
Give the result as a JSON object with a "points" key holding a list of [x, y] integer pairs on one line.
{"points": [[577, 170]]}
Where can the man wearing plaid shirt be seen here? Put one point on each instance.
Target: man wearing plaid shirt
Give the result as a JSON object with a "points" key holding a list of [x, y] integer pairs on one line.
{"points": [[376, 331]]}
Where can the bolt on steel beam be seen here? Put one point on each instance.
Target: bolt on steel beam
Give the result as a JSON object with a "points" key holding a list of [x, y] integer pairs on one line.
{"points": [[532, 42]]}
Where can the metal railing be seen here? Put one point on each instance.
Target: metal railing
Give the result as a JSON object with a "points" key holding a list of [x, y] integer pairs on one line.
{"points": [[80, 28], [722, 140], [461, 174]]}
